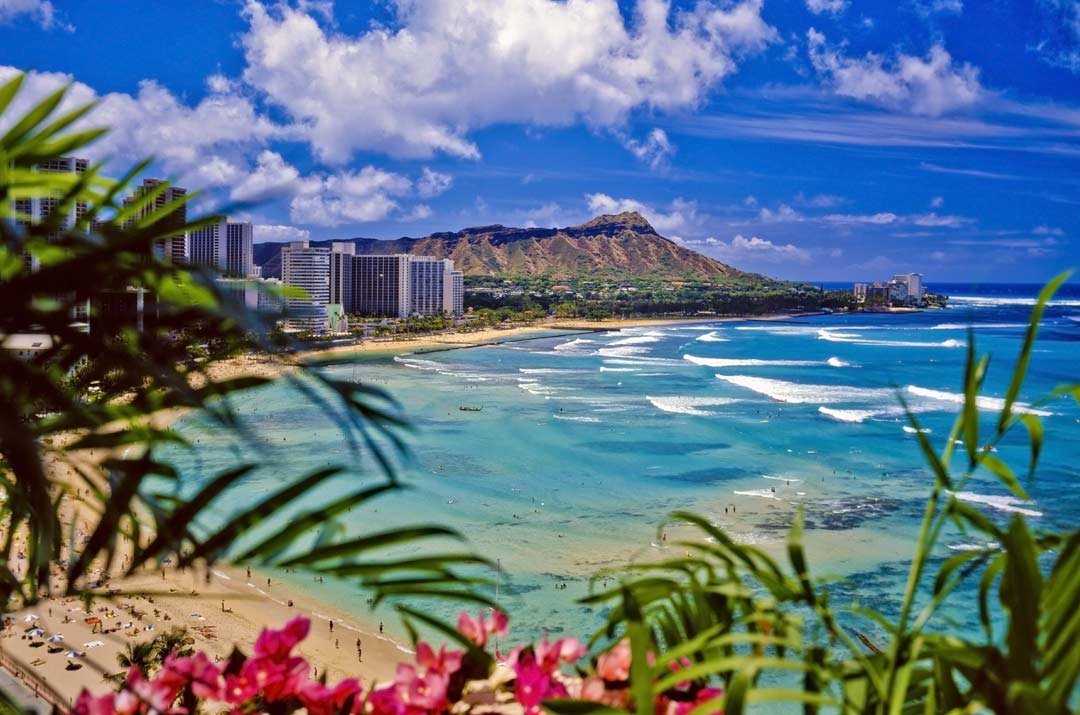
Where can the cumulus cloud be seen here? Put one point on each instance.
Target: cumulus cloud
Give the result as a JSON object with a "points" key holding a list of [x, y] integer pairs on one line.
{"points": [[937, 202], [654, 150], [680, 217], [447, 67], [930, 86], [42, 12], [264, 232], [928, 8], [784, 214], [887, 218], [432, 183], [1047, 231], [206, 142], [342, 197], [745, 250], [832, 7], [821, 201]]}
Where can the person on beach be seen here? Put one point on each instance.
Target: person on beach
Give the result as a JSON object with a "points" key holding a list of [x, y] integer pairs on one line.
{"points": [[331, 626], [380, 630], [359, 651]]}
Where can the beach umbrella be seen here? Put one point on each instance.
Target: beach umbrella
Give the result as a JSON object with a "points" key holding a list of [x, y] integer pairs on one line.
{"points": [[55, 639], [35, 632], [74, 654], [30, 618]]}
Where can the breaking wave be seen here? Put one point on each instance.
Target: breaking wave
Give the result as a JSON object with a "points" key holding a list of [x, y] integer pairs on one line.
{"points": [[749, 362], [713, 337], [847, 415], [857, 339], [1001, 503], [795, 392], [689, 405], [982, 401]]}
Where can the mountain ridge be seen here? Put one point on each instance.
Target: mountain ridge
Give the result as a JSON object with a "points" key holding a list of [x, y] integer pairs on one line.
{"points": [[610, 245]]}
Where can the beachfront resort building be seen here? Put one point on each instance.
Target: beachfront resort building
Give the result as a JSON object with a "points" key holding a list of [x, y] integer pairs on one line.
{"points": [[308, 268], [172, 248], [903, 289], [393, 286], [225, 246]]}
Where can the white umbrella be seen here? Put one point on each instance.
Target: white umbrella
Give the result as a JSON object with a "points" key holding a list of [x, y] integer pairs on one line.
{"points": [[55, 639], [35, 632], [30, 618], [74, 654]]}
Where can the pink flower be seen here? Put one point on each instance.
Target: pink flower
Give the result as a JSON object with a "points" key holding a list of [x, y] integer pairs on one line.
{"points": [[614, 666], [444, 662], [321, 700], [703, 695], [159, 694], [534, 683], [203, 676], [88, 704], [382, 701], [420, 693], [472, 628], [277, 645], [275, 679], [564, 650], [478, 629]]}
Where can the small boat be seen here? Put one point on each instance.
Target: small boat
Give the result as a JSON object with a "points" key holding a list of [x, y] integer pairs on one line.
{"points": [[467, 408]]}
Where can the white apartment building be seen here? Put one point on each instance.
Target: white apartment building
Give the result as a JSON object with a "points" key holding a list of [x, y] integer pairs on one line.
{"points": [[308, 268], [426, 280], [225, 246], [172, 248], [342, 268], [453, 292], [914, 284]]}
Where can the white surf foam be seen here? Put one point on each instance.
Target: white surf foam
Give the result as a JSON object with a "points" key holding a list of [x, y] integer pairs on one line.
{"points": [[548, 371], [576, 418], [857, 339], [575, 344], [689, 405], [1001, 503], [797, 392], [781, 479], [837, 362], [764, 493], [847, 415], [975, 547], [748, 362], [911, 430], [982, 401], [604, 368], [990, 302], [713, 337], [623, 351], [977, 326], [636, 340]]}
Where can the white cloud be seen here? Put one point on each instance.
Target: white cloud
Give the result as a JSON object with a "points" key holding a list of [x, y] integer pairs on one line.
{"points": [[41, 11], [448, 68], [333, 199], [932, 86], [348, 197], [750, 201], [206, 143], [654, 150], [927, 8], [680, 217], [1060, 43], [784, 214], [880, 219], [432, 183], [937, 202], [1047, 231], [934, 220], [279, 232], [833, 7], [821, 201], [749, 250]]}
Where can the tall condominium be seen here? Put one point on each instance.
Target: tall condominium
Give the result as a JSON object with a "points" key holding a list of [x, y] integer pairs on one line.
{"points": [[172, 248], [308, 268], [426, 280], [381, 285], [342, 268], [913, 281], [39, 209], [453, 292], [225, 246]]}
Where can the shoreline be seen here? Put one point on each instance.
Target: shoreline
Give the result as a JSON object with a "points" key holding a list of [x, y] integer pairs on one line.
{"points": [[224, 607]]}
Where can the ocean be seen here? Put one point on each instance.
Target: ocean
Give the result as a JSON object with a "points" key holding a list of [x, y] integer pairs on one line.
{"points": [[585, 443]]}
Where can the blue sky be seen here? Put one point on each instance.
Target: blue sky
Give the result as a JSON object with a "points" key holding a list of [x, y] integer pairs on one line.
{"points": [[811, 139]]}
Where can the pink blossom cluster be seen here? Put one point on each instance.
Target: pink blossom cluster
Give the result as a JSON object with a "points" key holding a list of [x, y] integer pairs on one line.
{"points": [[274, 678]]}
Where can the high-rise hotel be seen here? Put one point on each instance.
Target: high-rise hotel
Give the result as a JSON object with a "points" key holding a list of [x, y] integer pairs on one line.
{"points": [[172, 248], [225, 246], [394, 286], [306, 267]]}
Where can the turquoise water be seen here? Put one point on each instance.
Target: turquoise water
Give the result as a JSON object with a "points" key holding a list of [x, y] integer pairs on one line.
{"points": [[586, 442]]}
